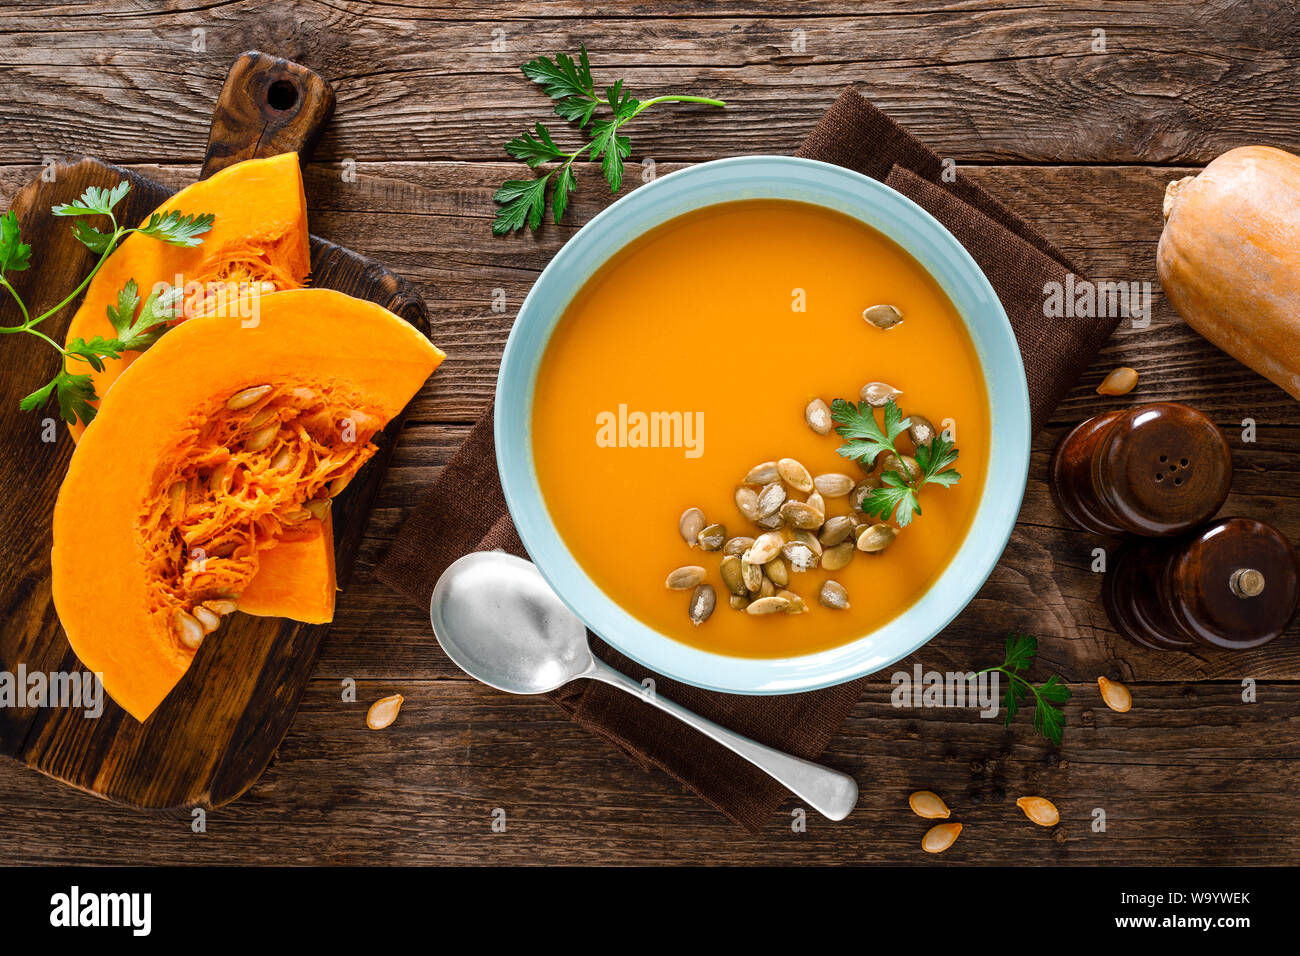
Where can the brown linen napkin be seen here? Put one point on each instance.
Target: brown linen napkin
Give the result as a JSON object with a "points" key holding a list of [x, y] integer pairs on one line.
{"points": [[465, 510]]}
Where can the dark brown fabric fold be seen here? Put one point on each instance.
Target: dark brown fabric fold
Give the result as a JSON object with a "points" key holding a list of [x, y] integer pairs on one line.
{"points": [[465, 510]]}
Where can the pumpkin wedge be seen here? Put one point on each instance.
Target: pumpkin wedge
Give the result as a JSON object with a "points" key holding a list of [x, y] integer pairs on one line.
{"points": [[215, 443], [259, 242]]}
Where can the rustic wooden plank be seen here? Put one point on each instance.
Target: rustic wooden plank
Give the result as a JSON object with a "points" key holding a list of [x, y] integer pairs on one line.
{"points": [[977, 81], [1190, 775]]}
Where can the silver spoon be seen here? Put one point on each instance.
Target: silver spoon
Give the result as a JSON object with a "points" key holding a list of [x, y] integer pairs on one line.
{"points": [[500, 622]]}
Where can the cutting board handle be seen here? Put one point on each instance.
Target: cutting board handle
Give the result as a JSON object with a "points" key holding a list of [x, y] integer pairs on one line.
{"points": [[267, 106]]}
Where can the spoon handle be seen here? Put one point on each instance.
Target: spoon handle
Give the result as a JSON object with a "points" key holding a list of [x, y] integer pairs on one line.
{"points": [[829, 792]]}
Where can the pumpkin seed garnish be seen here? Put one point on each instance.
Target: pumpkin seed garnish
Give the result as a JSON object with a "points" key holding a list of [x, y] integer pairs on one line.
{"points": [[833, 484], [839, 557], [800, 556], [765, 548], [808, 540], [737, 545], [818, 416], [777, 572], [817, 503], [732, 575], [712, 538], [770, 499], [747, 502], [796, 605], [876, 538], [762, 474], [795, 475], [683, 579], [802, 515], [834, 596], [768, 605], [883, 316], [751, 575], [771, 522], [879, 394], [703, 601], [835, 530], [860, 491], [738, 602], [690, 524], [921, 431]]}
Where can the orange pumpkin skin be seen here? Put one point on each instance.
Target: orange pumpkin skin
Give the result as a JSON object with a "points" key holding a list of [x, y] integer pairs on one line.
{"points": [[116, 585], [259, 235], [1229, 258], [295, 579]]}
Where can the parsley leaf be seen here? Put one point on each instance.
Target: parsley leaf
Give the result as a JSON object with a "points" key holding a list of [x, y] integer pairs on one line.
{"points": [[535, 149], [15, 255], [95, 201], [137, 333], [566, 82], [1049, 717], [75, 393], [177, 229], [522, 201]]}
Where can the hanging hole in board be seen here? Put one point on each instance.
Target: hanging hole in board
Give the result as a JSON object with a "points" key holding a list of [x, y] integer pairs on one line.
{"points": [[281, 95]]}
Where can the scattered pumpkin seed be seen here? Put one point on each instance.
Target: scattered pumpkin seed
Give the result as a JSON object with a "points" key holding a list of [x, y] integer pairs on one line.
{"points": [[770, 499], [712, 538], [767, 588], [384, 711], [685, 578], [1041, 810], [249, 396], [800, 556], [839, 557], [817, 502], [739, 602], [921, 430], [802, 515], [796, 606], [762, 474], [767, 605], [833, 484], [732, 575], [777, 572], [929, 805], [1120, 381], [860, 491], [771, 522], [834, 596], [795, 475], [1115, 694], [939, 838], [188, 629], [818, 416], [703, 600], [883, 316], [765, 548], [737, 545], [808, 540], [747, 502], [876, 538], [751, 575], [879, 394], [903, 464], [690, 524], [835, 530]]}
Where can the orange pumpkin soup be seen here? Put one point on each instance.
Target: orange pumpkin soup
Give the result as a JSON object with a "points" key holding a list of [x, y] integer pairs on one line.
{"points": [[691, 356]]}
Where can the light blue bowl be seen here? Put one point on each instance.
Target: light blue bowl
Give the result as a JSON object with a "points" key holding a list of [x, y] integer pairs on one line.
{"points": [[847, 192]]}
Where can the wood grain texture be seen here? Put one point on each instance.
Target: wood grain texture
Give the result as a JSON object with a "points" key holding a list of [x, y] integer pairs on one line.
{"points": [[1079, 143]]}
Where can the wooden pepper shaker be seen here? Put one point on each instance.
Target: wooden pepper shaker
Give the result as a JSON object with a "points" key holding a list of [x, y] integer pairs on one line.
{"points": [[1158, 469], [1231, 584]]}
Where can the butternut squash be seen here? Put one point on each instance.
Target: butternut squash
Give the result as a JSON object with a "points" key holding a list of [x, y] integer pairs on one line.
{"points": [[1229, 258], [213, 445]]}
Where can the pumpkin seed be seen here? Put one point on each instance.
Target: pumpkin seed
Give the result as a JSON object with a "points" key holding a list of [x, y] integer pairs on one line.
{"points": [[767, 605], [222, 606], [296, 516], [732, 575], [762, 474], [217, 478], [860, 491], [883, 316], [260, 419], [795, 475], [208, 620], [685, 578], [876, 538], [747, 502], [703, 601], [770, 499], [796, 602], [318, 507], [765, 548], [712, 538], [690, 524], [249, 396], [176, 501], [921, 430], [338, 484], [771, 522], [808, 540], [739, 602], [738, 545], [1115, 694], [903, 464], [1120, 381], [751, 575], [802, 515], [188, 629], [835, 530], [834, 596], [817, 502], [939, 838], [818, 416], [800, 556], [767, 588], [777, 571], [283, 459], [930, 805], [839, 557], [833, 484], [1041, 810], [384, 711], [879, 394], [261, 438]]}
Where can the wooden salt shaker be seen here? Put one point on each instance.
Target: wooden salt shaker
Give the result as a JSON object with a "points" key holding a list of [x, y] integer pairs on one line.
{"points": [[1231, 584], [1153, 470]]}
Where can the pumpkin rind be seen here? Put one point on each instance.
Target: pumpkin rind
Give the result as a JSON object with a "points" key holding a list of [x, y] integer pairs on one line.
{"points": [[260, 227], [1229, 258], [102, 588]]}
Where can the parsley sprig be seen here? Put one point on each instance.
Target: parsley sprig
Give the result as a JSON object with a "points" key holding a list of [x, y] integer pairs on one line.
{"points": [[135, 330], [1049, 718], [866, 440], [569, 83]]}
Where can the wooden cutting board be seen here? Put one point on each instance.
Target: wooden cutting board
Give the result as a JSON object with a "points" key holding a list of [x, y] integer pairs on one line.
{"points": [[216, 732]]}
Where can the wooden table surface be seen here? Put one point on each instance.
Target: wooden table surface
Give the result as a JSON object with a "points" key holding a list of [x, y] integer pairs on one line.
{"points": [[1078, 141]]}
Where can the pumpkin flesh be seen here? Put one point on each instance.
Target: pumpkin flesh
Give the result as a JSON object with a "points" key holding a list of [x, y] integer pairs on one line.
{"points": [[173, 496]]}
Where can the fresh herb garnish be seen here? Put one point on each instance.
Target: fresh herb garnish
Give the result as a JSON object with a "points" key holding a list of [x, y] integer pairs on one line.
{"points": [[866, 441], [135, 332], [569, 83], [1049, 718]]}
